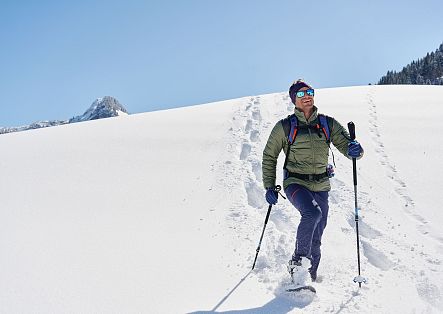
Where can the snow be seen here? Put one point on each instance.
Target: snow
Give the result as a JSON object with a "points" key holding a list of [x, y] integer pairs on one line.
{"points": [[161, 212], [121, 113]]}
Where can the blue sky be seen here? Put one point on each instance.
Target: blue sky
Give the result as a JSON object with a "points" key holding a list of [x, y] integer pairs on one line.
{"points": [[57, 57]]}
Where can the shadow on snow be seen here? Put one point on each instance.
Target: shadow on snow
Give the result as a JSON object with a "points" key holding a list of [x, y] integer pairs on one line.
{"points": [[282, 303]]}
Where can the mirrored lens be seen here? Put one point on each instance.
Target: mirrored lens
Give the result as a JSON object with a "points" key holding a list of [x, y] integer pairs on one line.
{"points": [[309, 92]]}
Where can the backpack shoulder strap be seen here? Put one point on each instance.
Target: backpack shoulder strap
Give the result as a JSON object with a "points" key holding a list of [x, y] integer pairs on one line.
{"points": [[324, 124], [286, 125], [290, 126]]}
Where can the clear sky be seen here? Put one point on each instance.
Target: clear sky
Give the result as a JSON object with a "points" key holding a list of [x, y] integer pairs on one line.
{"points": [[57, 57]]}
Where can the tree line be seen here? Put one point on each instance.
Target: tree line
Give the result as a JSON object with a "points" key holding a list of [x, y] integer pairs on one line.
{"points": [[425, 71]]}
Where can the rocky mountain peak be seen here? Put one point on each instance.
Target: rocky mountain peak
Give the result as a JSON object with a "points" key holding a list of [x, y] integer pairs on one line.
{"points": [[105, 107]]}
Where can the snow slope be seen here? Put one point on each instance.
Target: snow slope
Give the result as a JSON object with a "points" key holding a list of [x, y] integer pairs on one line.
{"points": [[162, 212]]}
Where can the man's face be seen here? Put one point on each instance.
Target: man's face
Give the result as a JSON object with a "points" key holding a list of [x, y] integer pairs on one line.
{"points": [[306, 102]]}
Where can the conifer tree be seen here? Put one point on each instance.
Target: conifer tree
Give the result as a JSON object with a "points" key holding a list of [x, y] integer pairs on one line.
{"points": [[427, 70]]}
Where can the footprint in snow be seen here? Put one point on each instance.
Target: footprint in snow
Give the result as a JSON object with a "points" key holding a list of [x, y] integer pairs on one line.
{"points": [[365, 230], [256, 169], [254, 136], [376, 257], [248, 126], [245, 151], [430, 293], [256, 115], [254, 194]]}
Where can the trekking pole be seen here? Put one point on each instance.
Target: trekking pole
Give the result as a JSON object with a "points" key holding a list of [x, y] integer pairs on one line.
{"points": [[277, 189], [359, 278]]}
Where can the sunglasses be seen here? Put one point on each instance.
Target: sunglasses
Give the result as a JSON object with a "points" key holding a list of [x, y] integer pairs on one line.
{"points": [[309, 92]]}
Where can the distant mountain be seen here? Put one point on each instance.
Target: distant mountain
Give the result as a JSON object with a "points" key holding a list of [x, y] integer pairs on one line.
{"points": [[105, 107], [101, 108], [35, 125], [425, 71]]}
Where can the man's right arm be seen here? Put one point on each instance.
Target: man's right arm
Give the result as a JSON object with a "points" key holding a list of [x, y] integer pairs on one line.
{"points": [[275, 144]]}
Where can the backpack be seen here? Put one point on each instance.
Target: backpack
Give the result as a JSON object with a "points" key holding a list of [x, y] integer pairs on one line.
{"points": [[291, 128]]}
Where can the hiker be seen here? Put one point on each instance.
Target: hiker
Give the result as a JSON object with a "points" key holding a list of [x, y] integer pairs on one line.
{"points": [[308, 135]]}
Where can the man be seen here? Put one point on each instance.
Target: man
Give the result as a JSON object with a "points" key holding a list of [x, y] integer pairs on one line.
{"points": [[306, 179]]}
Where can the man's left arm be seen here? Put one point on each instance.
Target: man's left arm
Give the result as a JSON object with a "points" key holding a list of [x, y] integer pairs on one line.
{"points": [[341, 139]]}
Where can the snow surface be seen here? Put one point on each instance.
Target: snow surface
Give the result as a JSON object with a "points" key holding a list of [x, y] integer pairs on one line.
{"points": [[161, 212]]}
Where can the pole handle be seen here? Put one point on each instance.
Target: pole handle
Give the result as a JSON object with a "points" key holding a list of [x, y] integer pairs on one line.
{"points": [[351, 128]]}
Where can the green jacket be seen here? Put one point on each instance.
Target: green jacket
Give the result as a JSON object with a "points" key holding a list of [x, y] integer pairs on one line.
{"points": [[308, 154]]}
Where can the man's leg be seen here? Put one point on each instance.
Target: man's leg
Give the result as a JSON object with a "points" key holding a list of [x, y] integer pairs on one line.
{"points": [[311, 215], [322, 200]]}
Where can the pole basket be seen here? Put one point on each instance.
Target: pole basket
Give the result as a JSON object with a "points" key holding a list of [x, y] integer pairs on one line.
{"points": [[360, 280]]}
